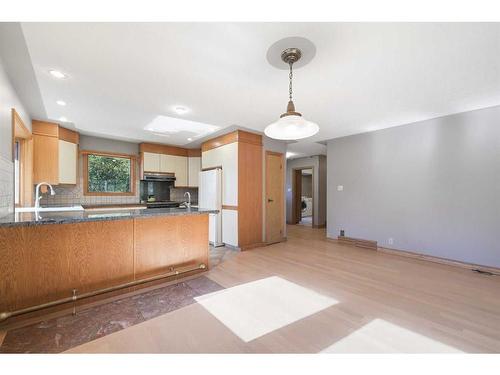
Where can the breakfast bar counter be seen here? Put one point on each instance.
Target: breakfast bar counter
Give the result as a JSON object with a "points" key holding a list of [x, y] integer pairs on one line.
{"points": [[67, 217], [49, 256]]}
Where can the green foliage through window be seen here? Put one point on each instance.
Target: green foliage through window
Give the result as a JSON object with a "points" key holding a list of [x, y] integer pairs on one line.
{"points": [[108, 174]]}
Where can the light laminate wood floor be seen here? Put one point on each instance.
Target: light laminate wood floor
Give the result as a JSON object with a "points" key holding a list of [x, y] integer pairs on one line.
{"points": [[312, 295]]}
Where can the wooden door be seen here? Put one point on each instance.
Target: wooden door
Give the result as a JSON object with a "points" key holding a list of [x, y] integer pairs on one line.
{"points": [[274, 197], [297, 196]]}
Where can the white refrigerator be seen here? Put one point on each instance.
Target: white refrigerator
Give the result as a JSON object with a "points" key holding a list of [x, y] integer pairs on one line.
{"points": [[210, 197]]}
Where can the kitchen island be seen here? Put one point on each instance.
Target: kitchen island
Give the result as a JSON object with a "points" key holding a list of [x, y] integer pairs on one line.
{"points": [[49, 256]]}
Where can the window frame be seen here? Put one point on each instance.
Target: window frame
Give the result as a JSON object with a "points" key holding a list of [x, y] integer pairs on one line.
{"points": [[85, 157], [22, 135], [18, 193]]}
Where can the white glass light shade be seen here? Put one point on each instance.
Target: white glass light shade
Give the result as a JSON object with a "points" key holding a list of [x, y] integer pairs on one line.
{"points": [[291, 127]]}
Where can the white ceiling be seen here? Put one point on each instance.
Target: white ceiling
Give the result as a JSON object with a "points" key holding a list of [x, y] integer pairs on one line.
{"points": [[365, 76]]}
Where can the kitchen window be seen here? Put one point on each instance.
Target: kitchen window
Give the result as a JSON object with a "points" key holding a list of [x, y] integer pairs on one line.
{"points": [[108, 174]]}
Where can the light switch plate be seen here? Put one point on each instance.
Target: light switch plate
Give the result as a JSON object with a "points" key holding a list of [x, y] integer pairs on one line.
{"points": [[340, 187]]}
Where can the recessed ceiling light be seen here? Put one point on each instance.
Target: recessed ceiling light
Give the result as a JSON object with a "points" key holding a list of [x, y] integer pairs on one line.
{"points": [[63, 119], [57, 74], [190, 139], [180, 110], [61, 102]]}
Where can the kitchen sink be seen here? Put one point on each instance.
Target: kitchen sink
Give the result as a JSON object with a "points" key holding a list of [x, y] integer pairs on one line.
{"points": [[49, 209]]}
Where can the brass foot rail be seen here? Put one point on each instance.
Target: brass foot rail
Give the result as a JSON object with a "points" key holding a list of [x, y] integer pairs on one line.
{"points": [[8, 314]]}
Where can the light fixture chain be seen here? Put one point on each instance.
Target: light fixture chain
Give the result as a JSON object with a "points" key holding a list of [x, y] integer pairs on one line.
{"points": [[290, 76]]}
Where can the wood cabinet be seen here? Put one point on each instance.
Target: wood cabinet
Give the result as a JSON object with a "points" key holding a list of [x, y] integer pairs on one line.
{"points": [[42, 263], [55, 154], [169, 159], [46, 159]]}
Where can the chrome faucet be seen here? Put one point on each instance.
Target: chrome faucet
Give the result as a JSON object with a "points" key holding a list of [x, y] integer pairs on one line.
{"points": [[188, 203], [38, 196]]}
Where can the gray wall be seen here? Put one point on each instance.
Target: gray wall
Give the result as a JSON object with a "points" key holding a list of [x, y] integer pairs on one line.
{"points": [[318, 164], [432, 186], [88, 142]]}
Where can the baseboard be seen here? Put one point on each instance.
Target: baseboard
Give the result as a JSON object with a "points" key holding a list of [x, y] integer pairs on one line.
{"points": [[434, 259], [366, 244], [372, 245]]}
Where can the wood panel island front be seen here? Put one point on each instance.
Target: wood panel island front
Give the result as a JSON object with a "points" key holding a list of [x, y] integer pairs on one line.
{"points": [[46, 257]]}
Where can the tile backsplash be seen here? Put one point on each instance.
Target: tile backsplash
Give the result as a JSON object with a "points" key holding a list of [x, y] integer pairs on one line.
{"points": [[177, 194], [6, 186]]}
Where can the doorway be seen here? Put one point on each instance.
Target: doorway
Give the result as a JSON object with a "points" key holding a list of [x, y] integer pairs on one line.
{"points": [[274, 197], [303, 196]]}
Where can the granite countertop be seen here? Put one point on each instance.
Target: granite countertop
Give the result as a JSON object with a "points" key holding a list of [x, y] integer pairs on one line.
{"points": [[65, 217]]}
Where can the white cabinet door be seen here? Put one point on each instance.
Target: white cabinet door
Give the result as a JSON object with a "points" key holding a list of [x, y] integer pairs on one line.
{"points": [[230, 227], [194, 168], [167, 163], [151, 162], [181, 170], [68, 154]]}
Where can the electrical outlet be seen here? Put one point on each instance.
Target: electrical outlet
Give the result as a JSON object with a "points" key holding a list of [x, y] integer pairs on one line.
{"points": [[340, 187], [390, 241]]}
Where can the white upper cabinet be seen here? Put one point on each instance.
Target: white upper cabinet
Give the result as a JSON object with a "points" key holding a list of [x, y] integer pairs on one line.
{"points": [[167, 163], [181, 170], [194, 168], [151, 162], [68, 154]]}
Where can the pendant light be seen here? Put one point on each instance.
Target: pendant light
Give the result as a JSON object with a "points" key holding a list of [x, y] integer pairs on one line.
{"points": [[291, 125]]}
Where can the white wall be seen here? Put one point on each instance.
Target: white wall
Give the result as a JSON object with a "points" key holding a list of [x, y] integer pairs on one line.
{"points": [[8, 100], [432, 186]]}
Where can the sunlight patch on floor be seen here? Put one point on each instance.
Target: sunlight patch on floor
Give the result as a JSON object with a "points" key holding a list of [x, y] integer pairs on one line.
{"points": [[254, 309], [380, 336]]}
